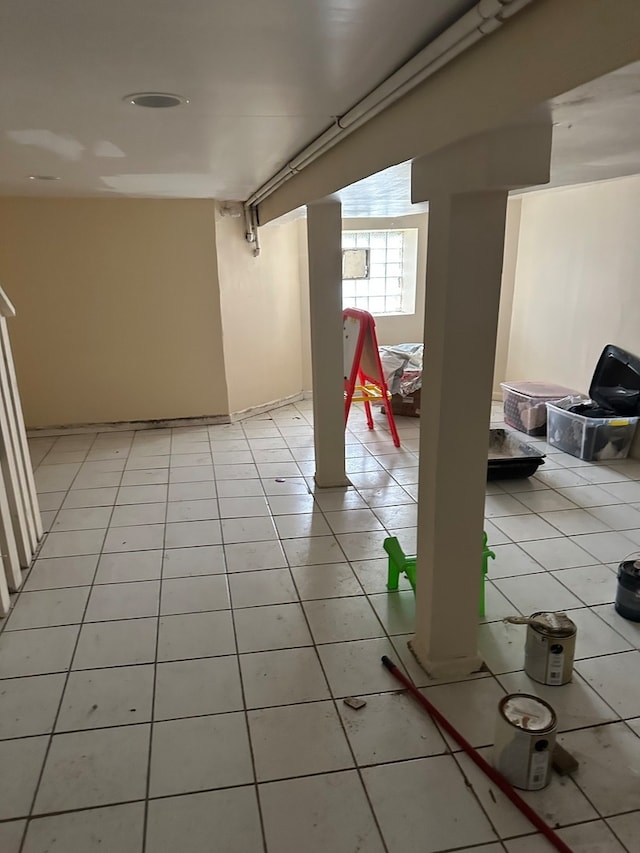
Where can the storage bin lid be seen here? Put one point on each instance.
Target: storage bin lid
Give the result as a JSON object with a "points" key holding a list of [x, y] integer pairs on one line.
{"points": [[616, 381], [543, 390]]}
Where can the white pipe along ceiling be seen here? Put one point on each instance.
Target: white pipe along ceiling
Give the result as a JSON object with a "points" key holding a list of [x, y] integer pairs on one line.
{"points": [[484, 18]]}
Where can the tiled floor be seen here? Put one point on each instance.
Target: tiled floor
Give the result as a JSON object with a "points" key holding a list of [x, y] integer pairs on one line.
{"points": [[172, 674]]}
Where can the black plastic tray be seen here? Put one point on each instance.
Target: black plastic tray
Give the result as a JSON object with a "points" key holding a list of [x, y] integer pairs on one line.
{"points": [[510, 458]]}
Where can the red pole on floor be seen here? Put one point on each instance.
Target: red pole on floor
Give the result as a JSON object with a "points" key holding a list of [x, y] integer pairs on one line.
{"points": [[497, 778]]}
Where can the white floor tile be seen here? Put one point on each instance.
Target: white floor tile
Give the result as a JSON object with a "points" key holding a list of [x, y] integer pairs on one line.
{"points": [[363, 546], [192, 474], [280, 626], [501, 646], [545, 500], [615, 680], [325, 581], [132, 641], [575, 521], [111, 828], [559, 553], [145, 477], [196, 635], [336, 500], [28, 706], [524, 528], [629, 630], [94, 768], [511, 560], [80, 498], [141, 494], [560, 803], [470, 706], [187, 534], [592, 584], [301, 525], [188, 562], [23, 758], [190, 688], [617, 517], [199, 754], [99, 698], [396, 610], [126, 516], [385, 496], [252, 589], [627, 492], [391, 727], [83, 519], [73, 543], [237, 530], [283, 677], [236, 472], [243, 507], [282, 747], [313, 551], [202, 510], [133, 566], [588, 496], [142, 537], [251, 556], [291, 504], [47, 608], [608, 756], [532, 593], [240, 488], [192, 491], [317, 814], [627, 828], [496, 606], [595, 637], [37, 652], [449, 817], [405, 515], [354, 668], [338, 619], [194, 595], [188, 823], [501, 506], [606, 547], [123, 601], [373, 575]]}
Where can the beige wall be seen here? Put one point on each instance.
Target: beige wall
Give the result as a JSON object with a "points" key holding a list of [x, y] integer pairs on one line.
{"points": [[577, 283], [509, 262], [117, 308], [260, 301]]}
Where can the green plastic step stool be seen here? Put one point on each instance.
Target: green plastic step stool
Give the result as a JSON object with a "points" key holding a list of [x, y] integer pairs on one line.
{"points": [[400, 563]]}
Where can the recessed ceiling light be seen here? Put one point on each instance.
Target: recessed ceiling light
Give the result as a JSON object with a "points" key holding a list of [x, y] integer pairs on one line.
{"points": [[155, 100], [44, 178]]}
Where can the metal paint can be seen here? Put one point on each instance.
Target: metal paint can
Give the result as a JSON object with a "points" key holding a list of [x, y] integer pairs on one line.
{"points": [[550, 648], [628, 592], [525, 738]]}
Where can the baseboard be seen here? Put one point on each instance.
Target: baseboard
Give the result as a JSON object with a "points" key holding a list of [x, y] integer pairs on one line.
{"points": [[307, 395], [252, 411], [122, 426]]}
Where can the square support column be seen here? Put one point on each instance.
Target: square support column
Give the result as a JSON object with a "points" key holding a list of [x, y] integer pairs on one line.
{"points": [[324, 232], [467, 188]]}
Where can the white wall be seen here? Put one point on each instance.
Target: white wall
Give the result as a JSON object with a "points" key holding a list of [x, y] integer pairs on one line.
{"points": [[577, 282]]}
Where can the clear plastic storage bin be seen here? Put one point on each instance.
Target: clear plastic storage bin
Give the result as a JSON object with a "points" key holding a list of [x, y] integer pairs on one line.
{"points": [[525, 404], [591, 439]]}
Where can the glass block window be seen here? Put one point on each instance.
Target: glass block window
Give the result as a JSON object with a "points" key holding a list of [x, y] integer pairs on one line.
{"points": [[390, 285]]}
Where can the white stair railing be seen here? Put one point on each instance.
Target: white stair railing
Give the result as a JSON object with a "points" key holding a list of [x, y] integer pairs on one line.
{"points": [[20, 521]]}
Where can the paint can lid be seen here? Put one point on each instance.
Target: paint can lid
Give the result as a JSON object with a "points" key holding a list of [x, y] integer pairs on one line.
{"points": [[553, 623], [630, 567], [527, 712]]}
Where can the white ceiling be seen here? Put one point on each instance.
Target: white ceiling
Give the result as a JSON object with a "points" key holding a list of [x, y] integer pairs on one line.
{"points": [[596, 136], [263, 77]]}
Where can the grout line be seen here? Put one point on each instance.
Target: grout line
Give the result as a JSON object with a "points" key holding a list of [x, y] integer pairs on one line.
{"points": [[245, 710]]}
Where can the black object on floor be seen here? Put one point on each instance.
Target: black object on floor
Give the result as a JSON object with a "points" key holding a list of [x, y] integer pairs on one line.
{"points": [[511, 458]]}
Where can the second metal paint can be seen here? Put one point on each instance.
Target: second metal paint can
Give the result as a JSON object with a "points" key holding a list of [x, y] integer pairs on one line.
{"points": [[525, 738], [550, 648]]}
